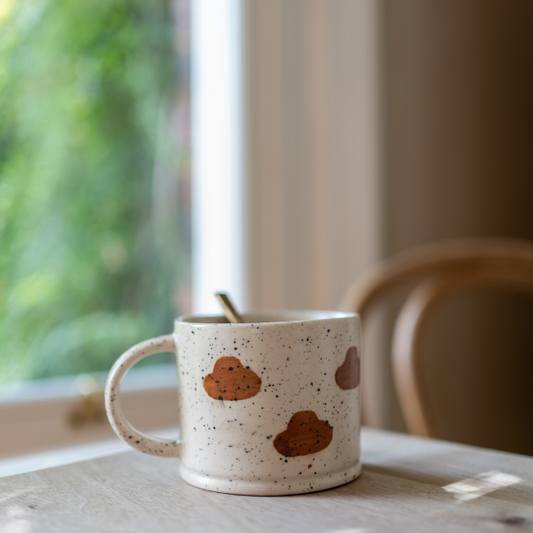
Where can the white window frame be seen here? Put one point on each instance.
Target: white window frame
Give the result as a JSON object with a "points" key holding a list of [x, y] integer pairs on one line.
{"points": [[218, 154]]}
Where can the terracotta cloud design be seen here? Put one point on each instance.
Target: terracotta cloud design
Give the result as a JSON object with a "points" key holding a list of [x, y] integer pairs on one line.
{"points": [[230, 380], [305, 434], [347, 375]]}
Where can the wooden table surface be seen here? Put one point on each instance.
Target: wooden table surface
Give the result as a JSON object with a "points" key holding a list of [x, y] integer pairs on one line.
{"points": [[408, 484]]}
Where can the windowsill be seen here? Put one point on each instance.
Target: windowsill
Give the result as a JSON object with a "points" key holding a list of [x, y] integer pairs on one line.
{"points": [[137, 379], [68, 455], [61, 456], [52, 413]]}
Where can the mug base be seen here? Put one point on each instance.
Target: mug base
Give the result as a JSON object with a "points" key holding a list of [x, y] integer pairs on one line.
{"points": [[270, 488]]}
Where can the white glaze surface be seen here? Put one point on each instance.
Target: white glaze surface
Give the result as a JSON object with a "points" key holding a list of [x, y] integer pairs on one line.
{"points": [[227, 446]]}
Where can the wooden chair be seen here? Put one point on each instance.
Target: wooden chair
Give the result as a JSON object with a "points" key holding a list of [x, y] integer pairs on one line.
{"points": [[437, 271]]}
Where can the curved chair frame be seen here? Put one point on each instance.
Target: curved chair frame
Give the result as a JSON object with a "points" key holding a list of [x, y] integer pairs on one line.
{"points": [[409, 327], [441, 270]]}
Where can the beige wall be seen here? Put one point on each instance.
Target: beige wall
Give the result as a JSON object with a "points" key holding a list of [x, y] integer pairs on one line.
{"points": [[312, 150], [458, 143]]}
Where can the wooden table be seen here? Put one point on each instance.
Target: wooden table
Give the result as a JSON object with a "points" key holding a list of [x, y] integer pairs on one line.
{"points": [[408, 484]]}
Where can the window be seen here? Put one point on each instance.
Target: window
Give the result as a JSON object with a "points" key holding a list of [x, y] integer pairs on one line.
{"points": [[94, 187], [286, 160]]}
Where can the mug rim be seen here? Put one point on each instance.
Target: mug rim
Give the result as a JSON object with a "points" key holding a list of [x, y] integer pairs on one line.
{"points": [[265, 318]]}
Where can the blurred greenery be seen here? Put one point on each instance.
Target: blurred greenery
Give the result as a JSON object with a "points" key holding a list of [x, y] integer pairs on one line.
{"points": [[88, 259]]}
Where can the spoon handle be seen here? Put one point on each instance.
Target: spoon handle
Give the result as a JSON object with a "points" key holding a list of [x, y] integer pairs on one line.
{"points": [[229, 309]]}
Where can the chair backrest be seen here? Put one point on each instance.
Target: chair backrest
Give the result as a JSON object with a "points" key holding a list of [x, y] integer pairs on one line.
{"points": [[437, 271]]}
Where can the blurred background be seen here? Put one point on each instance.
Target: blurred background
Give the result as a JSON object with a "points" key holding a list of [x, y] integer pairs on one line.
{"points": [[94, 178], [324, 137]]}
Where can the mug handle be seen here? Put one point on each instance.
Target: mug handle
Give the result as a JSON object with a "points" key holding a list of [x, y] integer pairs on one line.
{"points": [[136, 439]]}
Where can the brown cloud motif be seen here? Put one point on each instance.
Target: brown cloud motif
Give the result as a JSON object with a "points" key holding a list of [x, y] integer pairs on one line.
{"points": [[305, 434], [347, 375], [231, 381]]}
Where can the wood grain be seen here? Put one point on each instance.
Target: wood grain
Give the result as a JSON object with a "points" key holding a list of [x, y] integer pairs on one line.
{"points": [[402, 488]]}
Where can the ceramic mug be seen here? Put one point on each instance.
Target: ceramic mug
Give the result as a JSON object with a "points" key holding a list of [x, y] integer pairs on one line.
{"points": [[267, 407]]}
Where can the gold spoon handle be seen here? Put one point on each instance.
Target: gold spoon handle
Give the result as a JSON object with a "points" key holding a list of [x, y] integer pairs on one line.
{"points": [[229, 309]]}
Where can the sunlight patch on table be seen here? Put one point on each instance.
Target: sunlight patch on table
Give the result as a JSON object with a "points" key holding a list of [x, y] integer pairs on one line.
{"points": [[471, 488], [16, 524]]}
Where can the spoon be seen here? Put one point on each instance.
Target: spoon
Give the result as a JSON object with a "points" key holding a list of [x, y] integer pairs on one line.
{"points": [[229, 308]]}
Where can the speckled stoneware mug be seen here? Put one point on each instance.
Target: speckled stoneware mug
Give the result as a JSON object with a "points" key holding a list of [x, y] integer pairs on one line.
{"points": [[267, 407]]}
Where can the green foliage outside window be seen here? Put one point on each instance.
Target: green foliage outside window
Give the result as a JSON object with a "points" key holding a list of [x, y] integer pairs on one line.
{"points": [[89, 254]]}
